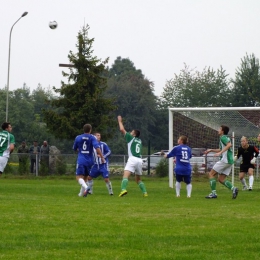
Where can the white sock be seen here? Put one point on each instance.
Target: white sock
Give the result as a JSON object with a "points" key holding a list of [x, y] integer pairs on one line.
{"points": [[178, 188], [90, 185], [82, 183], [189, 188], [251, 181], [109, 187], [81, 191], [243, 181]]}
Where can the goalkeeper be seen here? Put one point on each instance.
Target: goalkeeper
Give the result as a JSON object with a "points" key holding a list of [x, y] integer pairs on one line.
{"points": [[249, 154]]}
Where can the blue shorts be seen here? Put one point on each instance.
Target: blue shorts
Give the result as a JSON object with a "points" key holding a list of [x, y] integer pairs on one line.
{"points": [[82, 169], [184, 178], [98, 170]]}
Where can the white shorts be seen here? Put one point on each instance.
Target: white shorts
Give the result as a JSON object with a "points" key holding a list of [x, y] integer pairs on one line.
{"points": [[222, 168], [3, 163], [134, 165]]}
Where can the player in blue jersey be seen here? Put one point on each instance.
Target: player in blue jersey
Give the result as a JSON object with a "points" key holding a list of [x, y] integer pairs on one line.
{"points": [[84, 145], [182, 153], [99, 167], [134, 162], [7, 143]]}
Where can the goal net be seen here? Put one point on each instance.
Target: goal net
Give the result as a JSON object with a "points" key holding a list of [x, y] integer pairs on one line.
{"points": [[201, 126]]}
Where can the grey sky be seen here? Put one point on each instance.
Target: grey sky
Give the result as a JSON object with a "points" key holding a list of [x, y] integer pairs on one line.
{"points": [[159, 36]]}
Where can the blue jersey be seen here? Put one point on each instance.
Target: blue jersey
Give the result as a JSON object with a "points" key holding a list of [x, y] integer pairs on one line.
{"points": [[99, 167], [105, 151], [182, 154], [84, 144]]}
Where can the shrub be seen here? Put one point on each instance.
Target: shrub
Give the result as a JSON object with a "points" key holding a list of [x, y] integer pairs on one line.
{"points": [[162, 168]]}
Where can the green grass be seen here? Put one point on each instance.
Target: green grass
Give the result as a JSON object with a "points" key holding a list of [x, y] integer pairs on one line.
{"points": [[43, 218]]}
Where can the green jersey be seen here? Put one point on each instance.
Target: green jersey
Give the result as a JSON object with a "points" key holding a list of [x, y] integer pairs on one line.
{"points": [[5, 140], [134, 145], [227, 156]]}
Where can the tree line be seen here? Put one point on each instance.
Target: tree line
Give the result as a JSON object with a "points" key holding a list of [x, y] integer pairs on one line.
{"points": [[96, 93]]}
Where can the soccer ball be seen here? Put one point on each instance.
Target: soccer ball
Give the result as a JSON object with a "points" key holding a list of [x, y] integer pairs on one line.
{"points": [[53, 25]]}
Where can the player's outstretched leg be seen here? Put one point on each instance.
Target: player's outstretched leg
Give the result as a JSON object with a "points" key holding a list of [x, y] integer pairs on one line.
{"points": [[109, 188], [213, 194], [142, 187], [123, 187], [235, 193]]}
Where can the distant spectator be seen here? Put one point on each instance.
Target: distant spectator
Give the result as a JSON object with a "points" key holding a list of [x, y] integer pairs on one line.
{"points": [[23, 155], [34, 155], [44, 158]]}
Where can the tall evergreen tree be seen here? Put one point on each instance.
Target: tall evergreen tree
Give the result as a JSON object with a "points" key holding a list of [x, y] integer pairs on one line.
{"points": [[82, 101]]}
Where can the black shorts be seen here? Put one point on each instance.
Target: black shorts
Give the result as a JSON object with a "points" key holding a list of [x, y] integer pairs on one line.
{"points": [[245, 167]]}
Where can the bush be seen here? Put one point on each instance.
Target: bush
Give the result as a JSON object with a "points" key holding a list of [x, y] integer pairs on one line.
{"points": [[61, 166], [162, 168]]}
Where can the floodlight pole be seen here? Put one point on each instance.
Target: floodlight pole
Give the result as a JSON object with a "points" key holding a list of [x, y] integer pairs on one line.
{"points": [[8, 72]]}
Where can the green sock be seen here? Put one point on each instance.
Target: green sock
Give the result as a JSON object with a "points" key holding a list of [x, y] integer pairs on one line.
{"points": [[142, 186], [124, 183], [228, 184], [213, 184]]}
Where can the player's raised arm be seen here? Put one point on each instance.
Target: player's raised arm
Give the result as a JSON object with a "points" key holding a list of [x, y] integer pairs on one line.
{"points": [[121, 126]]}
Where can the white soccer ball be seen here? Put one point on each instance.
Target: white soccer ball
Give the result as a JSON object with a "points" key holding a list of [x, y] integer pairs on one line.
{"points": [[53, 25]]}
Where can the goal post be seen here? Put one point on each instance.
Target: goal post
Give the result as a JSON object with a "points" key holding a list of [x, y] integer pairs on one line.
{"points": [[200, 125]]}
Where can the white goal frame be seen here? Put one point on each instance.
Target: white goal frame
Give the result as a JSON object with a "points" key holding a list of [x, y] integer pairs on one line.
{"points": [[183, 109]]}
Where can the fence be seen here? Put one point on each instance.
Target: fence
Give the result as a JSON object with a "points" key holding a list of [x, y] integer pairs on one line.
{"points": [[57, 164], [65, 164]]}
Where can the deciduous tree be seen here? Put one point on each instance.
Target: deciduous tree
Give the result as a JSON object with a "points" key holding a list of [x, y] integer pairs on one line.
{"points": [[192, 88], [246, 85]]}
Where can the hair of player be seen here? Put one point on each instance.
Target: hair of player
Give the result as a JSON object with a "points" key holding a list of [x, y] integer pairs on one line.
{"points": [[225, 129], [87, 128], [5, 125], [137, 132], [243, 137], [184, 139]]}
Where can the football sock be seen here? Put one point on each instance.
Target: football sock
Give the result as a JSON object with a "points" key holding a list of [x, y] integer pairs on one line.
{"points": [[124, 183], [81, 191], [228, 184], [251, 180], [109, 187], [90, 185], [178, 188], [142, 186], [213, 183], [82, 183], [243, 181], [189, 188]]}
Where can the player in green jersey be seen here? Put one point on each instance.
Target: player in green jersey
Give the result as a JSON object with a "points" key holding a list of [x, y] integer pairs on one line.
{"points": [[224, 165], [7, 143], [134, 162]]}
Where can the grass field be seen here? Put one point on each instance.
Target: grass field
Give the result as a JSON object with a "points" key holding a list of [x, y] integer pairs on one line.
{"points": [[44, 218]]}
